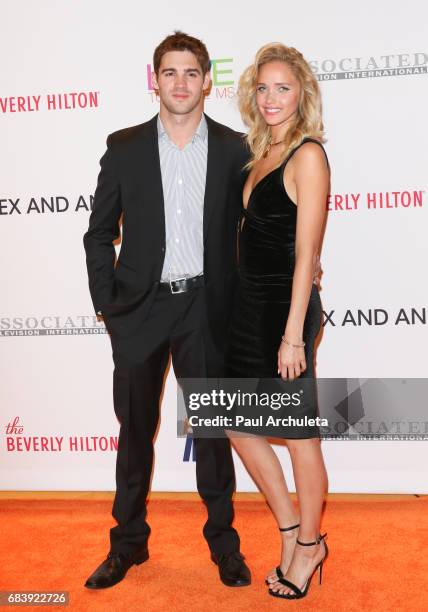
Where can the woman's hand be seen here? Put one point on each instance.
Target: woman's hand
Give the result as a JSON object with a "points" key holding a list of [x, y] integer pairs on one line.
{"points": [[291, 361]]}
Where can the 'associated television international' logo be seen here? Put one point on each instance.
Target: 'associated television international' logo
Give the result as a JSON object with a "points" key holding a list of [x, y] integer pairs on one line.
{"points": [[221, 76], [391, 65], [51, 325]]}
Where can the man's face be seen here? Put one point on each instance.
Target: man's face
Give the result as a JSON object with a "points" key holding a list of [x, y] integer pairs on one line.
{"points": [[180, 82]]}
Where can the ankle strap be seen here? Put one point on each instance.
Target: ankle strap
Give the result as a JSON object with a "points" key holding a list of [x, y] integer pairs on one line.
{"points": [[289, 528], [317, 541]]}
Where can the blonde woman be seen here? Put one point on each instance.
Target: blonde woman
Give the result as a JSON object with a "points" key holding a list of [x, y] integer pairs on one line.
{"points": [[278, 311]]}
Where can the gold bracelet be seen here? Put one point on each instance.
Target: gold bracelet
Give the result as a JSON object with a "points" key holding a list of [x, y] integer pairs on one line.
{"points": [[284, 339]]}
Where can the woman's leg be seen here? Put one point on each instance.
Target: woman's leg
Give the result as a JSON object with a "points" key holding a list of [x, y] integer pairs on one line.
{"points": [[263, 465], [311, 484]]}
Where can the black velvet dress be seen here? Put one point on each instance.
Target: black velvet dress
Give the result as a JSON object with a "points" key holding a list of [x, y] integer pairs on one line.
{"points": [[266, 265]]}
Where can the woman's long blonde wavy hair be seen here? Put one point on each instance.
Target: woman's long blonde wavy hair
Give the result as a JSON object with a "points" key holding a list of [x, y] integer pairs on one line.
{"points": [[308, 121]]}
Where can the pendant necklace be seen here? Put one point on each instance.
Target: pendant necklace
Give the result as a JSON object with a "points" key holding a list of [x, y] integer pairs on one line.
{"points": [[270, 145]]}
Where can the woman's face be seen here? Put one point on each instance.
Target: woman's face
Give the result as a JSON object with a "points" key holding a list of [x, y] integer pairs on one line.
{"points": [[277, 93]]}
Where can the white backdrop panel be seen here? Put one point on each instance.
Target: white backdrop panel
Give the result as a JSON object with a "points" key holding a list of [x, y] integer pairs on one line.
{"points": [[59, 386]]}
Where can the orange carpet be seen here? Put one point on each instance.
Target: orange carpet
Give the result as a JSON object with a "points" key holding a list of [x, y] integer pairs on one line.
{"points": [[378, 556]]}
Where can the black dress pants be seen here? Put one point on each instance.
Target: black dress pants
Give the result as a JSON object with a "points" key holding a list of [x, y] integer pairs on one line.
{"points": [[173, 325]]}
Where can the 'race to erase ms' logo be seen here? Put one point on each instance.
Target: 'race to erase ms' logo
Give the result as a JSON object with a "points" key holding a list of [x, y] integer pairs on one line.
{"points": [[222, 77]]}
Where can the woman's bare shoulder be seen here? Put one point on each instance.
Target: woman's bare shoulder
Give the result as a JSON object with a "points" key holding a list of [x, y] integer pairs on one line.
{"points": [[310, 158]]}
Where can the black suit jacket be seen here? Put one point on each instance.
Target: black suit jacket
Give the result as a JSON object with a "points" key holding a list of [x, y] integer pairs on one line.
{"points": [[130, 187]]}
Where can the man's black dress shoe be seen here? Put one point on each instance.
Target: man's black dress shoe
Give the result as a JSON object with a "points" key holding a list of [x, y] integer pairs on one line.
{"points": [[113, 569], [232, 569]]}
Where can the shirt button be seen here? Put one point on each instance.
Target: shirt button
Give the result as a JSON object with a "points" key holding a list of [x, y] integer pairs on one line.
{"points": [[179, 211], [177, 240], [180, 181]]}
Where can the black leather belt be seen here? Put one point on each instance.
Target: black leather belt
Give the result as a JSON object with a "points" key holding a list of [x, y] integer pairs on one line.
{"points": [[181, 285]]}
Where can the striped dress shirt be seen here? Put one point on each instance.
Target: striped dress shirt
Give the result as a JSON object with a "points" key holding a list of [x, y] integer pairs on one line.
{"points": [[183, 182]]}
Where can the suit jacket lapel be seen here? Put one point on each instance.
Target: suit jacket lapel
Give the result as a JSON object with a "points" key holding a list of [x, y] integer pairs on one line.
{"points": [[213, 172], [152, 182]]}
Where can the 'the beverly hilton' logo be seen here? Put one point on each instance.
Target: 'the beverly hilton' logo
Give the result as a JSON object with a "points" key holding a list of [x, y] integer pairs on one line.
{"points": [[17, 442], [50, 102]]}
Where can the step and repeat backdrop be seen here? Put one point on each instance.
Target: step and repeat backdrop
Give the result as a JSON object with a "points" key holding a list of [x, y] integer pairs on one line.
{"points": [[74, 71]]}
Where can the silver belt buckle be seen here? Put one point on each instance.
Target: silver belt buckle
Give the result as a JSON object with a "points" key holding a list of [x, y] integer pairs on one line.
{"points": [[174, 280]]}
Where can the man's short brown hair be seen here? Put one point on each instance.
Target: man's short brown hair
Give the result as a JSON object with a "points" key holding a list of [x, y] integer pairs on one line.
{"points": [[179, 41]]}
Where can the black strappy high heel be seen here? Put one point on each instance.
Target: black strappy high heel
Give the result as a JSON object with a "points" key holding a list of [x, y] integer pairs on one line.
{"points": [[299, 593], [278, 569]]}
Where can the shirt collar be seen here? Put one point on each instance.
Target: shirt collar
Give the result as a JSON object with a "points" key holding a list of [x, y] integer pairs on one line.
{"points": [[201, 130]]}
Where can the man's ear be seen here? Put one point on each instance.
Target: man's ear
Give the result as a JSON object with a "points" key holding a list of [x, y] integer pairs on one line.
{"points": [[207, 82], [155, 81]]}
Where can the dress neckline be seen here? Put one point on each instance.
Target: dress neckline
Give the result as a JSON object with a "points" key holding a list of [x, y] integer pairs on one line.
{"points": [[261, 181], [306, 139]]}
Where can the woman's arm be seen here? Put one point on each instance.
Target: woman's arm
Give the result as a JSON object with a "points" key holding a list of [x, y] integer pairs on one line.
{"points": [[311, 178]]}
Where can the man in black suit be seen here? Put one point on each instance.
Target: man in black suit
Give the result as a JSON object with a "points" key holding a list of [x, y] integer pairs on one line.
{"points": [[176, 182]]}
